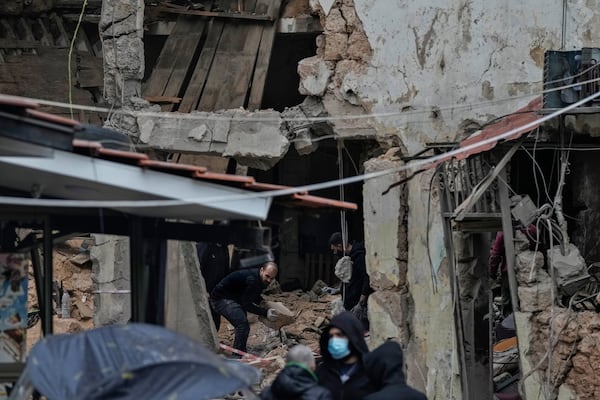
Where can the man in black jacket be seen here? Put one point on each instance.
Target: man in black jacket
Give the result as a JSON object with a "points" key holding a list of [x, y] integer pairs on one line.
{"points": [[343, 348], [384, 368], [238, 293], [297, 381], [357, 291]]}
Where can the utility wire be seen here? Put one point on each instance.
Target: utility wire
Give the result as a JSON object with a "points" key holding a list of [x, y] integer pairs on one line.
{"points": [[413, 165], [213, 117], [69, 61]]}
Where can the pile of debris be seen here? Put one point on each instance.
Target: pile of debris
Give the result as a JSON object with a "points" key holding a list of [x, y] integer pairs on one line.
{"points": [[72, 272], [311, 312]]}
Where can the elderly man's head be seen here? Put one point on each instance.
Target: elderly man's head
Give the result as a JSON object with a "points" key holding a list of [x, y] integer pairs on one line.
{"points": [[301, 354]]}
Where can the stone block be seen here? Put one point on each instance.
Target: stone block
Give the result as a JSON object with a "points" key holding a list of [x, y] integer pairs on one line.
{"points": [[359, 47], [352, 21], [566, 266], [335, 22], [336, 45], [528, 267], [535, 298]]}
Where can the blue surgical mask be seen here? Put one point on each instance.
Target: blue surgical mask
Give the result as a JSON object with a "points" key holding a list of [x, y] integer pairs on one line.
{"points": [[338, 347]]}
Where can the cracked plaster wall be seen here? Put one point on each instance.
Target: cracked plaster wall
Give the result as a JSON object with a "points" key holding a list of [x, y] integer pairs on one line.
{"points": [[445, 69]]}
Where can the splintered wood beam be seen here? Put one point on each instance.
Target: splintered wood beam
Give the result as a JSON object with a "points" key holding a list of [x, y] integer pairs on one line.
{"points": [[213, 14], [77, 3], [163, 99]]}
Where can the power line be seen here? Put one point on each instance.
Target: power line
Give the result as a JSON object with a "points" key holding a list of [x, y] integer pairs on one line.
{"points": [[412, 165], [233, 118]]}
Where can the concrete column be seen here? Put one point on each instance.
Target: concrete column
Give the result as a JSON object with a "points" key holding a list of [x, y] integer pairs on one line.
{"points": [[186, 305], [121, 32], [110, 276]]}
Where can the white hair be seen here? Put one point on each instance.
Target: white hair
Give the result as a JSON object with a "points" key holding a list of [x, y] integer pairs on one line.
{"points": [[301, 354]]}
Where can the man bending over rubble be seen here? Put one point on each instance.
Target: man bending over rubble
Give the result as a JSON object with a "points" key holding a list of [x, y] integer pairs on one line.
{"points": [[238, 293]]}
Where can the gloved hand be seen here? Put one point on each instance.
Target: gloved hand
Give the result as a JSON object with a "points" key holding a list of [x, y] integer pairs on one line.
{"points": [[272, 314]]}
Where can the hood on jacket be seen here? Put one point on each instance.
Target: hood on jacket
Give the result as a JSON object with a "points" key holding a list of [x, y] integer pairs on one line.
{"points": [[358, 249], [292, 382], [384, 364], [354, 330], [384, 368]]}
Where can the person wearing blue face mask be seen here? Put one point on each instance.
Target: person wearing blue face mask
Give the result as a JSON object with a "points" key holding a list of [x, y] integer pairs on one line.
{"points": [[343, 347]]}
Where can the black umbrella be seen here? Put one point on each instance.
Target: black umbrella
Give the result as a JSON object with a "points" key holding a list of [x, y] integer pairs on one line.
{"points": [[135, 361]]}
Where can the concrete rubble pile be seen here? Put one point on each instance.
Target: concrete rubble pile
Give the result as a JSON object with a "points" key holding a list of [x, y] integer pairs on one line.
{"points": [[72, 267], [311, 313]]}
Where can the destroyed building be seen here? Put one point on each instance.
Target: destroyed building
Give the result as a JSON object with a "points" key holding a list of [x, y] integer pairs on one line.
{"points": [[298, 92]]}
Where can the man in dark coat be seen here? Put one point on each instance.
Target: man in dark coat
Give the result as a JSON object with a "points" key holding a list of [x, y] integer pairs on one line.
{"points": [[358, 289], [297, 381], [343, 348], [240, 292], [384, 368]]}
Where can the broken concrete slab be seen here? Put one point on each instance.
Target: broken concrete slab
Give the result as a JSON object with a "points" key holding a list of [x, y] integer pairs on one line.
{"points": [[566, 266], [258, 143], [314, 75], [536, 298], [527, 266], [255, 139]]}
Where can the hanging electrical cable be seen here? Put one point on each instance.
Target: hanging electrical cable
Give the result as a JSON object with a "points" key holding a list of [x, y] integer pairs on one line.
{"points": [[69, 60]]}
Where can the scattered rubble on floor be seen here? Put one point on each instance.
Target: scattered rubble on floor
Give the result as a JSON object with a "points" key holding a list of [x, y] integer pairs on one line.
{"points": [[72, 267], [312, 312]]}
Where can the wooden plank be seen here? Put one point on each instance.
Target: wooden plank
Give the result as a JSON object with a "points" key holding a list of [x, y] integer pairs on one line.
{"points": [[189, 45], [89, 71], [19, 44], [227, 85], [216, 14], [163, 99], [44, 76], [195, 88], [509, 244], [263, 59], [64, 38], [159, 79], [46, 39], [10, 34]]}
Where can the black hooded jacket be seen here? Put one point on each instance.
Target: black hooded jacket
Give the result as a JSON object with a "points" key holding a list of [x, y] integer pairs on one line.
{"points": [[384, 367], [359, 282], [328, 371], [295, 382]]}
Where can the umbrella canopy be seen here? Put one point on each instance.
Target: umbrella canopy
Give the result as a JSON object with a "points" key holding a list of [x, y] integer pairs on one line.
{"points": [[134, 361]]}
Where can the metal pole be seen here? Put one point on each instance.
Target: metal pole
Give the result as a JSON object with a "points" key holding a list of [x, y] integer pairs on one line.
{"points": [[47, 322], [509, 244], [38, 276], [136, 257]]}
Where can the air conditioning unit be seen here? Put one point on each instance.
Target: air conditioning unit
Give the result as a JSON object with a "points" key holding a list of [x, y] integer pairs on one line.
{"points": [[563, 70]]}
